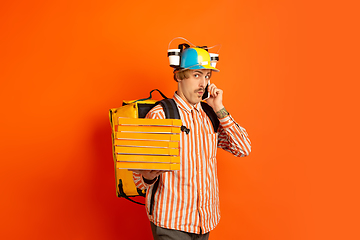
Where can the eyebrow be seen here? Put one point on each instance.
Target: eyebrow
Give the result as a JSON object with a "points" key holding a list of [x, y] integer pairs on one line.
{"points": [[197, 71]]}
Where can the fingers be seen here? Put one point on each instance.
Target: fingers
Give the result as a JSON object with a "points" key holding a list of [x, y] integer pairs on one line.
{"points": [[155, 172], [146, 172], [149, 171], [137, 171], [213, 90], [149, 174]]}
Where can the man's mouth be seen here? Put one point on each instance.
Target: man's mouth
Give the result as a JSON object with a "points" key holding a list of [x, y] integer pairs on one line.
{"points": [[200, 91]]}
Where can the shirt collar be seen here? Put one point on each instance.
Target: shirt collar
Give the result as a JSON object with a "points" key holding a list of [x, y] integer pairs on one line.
{"points": [[185, 105]]}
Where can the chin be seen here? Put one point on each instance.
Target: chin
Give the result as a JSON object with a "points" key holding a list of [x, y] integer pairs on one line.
{"points": [[197, 101]]}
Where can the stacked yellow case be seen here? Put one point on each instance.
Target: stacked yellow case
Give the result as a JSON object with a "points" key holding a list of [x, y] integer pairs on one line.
{"points": [[147, 144]]}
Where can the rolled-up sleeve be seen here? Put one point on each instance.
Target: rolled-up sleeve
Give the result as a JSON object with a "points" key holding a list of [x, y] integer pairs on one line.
{"points": [[233, 138]]}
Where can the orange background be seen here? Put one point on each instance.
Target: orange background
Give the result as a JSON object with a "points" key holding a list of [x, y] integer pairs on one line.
{"points": [[289, 72]]}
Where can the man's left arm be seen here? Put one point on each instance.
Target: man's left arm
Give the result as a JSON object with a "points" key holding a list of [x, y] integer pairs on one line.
{"points": [[232, 137]]}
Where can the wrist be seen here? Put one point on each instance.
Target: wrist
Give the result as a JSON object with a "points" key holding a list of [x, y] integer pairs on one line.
{"points": [[222, 113], [218, 108]]}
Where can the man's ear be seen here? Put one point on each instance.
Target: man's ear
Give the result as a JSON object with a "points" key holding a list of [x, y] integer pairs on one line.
{"points": [[176, 78]]}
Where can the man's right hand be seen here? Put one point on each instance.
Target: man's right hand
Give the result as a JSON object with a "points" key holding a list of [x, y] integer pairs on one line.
{"points": [[149, 174]]}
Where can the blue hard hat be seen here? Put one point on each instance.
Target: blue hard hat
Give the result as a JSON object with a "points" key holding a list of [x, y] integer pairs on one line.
{"points": [[196, 58]]}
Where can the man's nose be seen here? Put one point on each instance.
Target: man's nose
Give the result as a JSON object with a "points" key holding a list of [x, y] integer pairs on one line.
{"points": [[203, 82]]}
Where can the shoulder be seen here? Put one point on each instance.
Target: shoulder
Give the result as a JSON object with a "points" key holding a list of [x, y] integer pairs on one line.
{"points": [[156, 109], [156, 112]]}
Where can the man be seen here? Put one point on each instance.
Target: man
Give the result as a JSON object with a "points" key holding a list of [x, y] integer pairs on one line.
{"points": [[186, 202]]}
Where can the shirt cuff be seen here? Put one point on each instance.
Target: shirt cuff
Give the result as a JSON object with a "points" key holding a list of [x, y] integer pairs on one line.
{"points": [[227, 122]]}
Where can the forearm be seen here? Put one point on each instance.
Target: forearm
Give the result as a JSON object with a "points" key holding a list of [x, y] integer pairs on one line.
{"points": [[233, 138], [222, 113]]}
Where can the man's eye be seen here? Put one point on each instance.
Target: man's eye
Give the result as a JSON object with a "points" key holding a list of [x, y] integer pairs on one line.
{"points": [[196, 75], [207, 77]]}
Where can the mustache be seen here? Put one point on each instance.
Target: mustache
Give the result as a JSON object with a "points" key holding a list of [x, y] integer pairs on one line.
{"points": [[200, 90]]}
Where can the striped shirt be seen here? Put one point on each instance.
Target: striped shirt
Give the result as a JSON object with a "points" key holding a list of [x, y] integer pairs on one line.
{"points": [[188, 199]]}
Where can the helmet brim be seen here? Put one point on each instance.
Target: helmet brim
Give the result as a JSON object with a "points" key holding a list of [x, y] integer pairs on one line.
{"points": [[204, 67]]}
